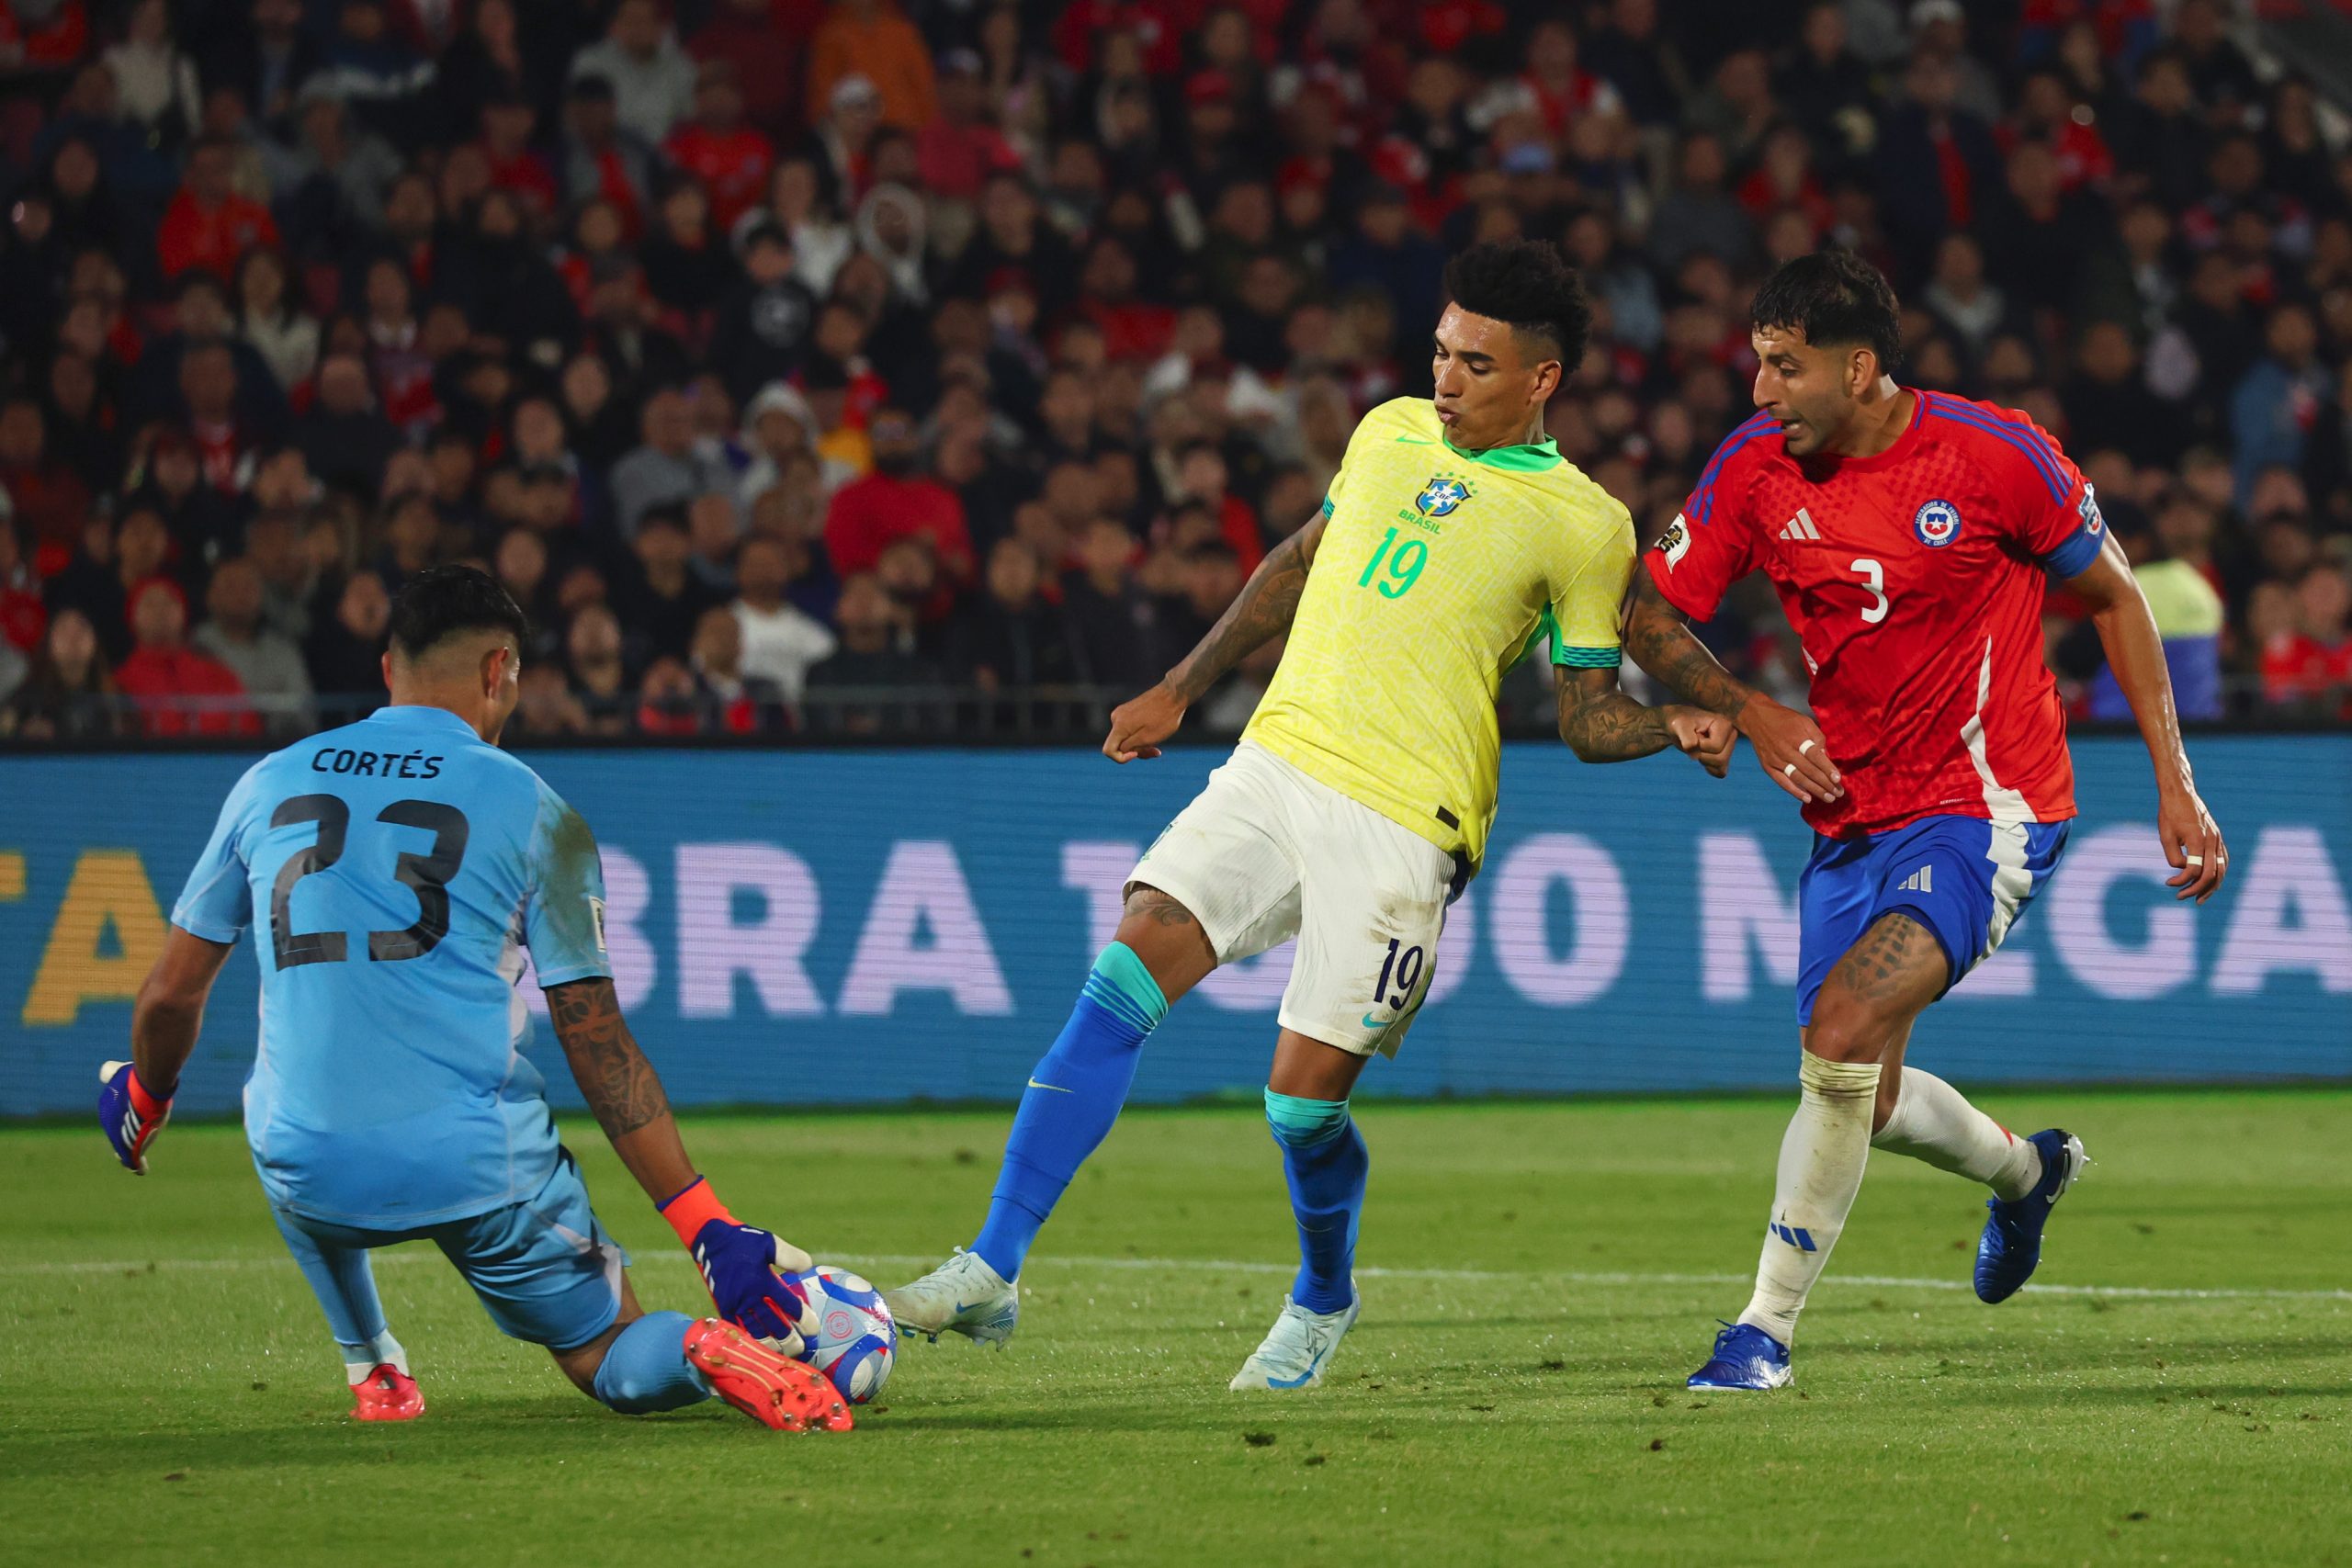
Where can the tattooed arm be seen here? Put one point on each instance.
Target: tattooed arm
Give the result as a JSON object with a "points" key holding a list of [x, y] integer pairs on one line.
{"points": [[620, 1086], [1262, 610], [1602, 724], [739, 1262], [1788, 744]]}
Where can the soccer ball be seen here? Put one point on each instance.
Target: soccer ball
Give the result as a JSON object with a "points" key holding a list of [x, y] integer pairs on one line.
{"points": [[856, 1340]]}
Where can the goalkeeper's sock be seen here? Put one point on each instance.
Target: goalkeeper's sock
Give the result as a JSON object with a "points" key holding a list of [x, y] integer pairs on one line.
{"points": [[1933, 1121], [1073, 1097], [362, 1357], [1822, 1156], [644, 1368], [1323, 1157]]}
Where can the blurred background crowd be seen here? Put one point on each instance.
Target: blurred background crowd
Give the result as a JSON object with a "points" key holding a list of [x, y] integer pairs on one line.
{"points": [[943, 366]]}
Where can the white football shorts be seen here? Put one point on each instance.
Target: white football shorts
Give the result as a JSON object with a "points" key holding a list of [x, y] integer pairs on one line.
{"points": [[1265, 852]]}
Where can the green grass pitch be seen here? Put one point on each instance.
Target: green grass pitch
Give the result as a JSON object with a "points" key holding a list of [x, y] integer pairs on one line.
{"points": [[1538, 1280]]}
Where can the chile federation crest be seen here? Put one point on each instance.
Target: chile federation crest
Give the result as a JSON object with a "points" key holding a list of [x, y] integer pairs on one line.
{"points": [[1937, 524]]}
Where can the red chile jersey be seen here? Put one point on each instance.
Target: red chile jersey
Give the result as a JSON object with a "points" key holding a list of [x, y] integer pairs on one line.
{"points": [[1915, 580]]}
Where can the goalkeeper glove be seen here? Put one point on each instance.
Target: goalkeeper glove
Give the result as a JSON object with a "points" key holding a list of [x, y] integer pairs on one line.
{"points": [[745, 1269], [129, 1115]]}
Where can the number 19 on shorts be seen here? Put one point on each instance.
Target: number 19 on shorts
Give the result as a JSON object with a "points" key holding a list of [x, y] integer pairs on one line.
{"points": [[1404, 966]]}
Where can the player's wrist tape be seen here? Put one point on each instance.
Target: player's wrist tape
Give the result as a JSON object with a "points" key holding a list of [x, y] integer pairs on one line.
{"points": [[691, 1209], [148, 1106]]}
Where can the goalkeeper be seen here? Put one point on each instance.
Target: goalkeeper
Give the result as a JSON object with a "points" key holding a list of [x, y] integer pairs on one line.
{"points": [[403, 863]]}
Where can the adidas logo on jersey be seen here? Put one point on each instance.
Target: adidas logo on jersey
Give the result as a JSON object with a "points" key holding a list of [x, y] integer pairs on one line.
{"points": [[1920, 881], [1801, 526]]}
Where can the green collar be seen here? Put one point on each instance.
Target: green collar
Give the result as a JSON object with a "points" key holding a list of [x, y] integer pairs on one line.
{"points": [[1530, 459]]}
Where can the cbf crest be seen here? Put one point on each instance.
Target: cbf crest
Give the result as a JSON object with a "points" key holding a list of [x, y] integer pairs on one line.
{"points": [[1937, 524], [1442, 496]]}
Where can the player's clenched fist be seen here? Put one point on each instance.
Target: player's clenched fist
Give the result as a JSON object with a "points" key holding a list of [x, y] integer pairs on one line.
{"points": [[130, 1115], [745, 1269], [1138, 726], [1792, 749], [1703, 735]]}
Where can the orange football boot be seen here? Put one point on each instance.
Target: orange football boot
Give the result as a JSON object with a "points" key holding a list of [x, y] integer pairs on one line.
{"points": [[387, 1393], [778, 1393]]}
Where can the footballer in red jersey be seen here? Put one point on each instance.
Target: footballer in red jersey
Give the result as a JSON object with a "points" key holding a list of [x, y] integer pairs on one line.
{"points": [[1911, 538]]}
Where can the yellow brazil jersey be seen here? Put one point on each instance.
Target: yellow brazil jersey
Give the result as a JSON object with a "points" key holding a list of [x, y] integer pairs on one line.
{"points": [[1436, 568]]}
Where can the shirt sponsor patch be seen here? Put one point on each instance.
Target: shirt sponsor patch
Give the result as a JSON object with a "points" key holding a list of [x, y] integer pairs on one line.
{"points": [[596, 919]]}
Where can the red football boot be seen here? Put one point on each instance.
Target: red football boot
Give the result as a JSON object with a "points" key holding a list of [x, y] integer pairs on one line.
{"points": [[387, 1393], [787, 1395]]}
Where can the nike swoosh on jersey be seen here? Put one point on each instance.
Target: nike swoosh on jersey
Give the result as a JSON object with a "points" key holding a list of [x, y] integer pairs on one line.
{"points": [[1055, 1087], [1416, 441], [1372, 1022]]}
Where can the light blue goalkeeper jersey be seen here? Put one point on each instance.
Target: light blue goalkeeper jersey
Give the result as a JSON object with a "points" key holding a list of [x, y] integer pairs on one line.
{"points": [[394, 871]]}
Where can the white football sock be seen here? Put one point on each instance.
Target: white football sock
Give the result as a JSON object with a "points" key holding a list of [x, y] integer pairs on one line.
{"points": [[1933, 1121], [1828, 1144], [382, 1351]]}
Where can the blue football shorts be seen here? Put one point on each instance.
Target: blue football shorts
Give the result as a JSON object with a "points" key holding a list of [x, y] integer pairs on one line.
{"points": [[1964, 878], [543, 1267]]}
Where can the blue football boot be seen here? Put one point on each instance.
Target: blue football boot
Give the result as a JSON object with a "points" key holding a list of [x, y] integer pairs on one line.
{"points": [[1746, 1357], [2011, 1245]]}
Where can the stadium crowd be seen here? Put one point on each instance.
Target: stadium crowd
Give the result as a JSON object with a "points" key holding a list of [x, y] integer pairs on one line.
{"points": [[829, 368]]}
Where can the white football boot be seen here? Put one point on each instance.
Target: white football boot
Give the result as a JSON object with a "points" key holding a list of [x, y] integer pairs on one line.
{"points": [[963, 1295], [1297, 1347]]}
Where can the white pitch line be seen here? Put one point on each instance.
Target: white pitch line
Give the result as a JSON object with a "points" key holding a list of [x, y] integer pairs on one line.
{"points": [[1238, 1266]]}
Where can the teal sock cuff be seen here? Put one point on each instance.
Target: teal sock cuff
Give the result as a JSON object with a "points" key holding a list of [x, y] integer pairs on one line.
{"points": [[1306, 1123], [1120, 982]]}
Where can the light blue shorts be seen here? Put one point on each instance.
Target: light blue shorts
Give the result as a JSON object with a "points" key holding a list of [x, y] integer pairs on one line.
{"points": [[544, 1268]]}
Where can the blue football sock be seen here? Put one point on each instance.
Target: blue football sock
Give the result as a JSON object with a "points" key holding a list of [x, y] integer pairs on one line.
{"points": [[1073, 1099], [346, 1285], [1325, 1159], [645, 1368]]}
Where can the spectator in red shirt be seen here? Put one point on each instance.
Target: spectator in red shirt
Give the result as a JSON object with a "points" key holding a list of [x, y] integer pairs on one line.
{"points": [[162, 668], [959, 148], [508, 124], [2313, 663], [893, 501], [208, 223], [23, 616], [47, 501], [766, 57], [208, 382], [729, 157], [1131, 328], [43, 37], [2046, 113], [1202, 476]]}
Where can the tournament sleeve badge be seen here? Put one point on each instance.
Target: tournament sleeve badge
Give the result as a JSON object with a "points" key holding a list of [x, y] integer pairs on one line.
{"points": [[1674, 543]]}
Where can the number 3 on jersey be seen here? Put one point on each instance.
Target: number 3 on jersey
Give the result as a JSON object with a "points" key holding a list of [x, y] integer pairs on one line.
{"points": [[1404, 563], [1873, 579]]}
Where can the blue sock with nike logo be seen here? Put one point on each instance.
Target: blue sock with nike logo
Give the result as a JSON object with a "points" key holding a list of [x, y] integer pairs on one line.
{"points": [[1073, 1099], [1323, 1157]]}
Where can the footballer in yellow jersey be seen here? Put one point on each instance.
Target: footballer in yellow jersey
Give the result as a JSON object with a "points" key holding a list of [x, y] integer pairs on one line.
{"points": [[1357, 804]]}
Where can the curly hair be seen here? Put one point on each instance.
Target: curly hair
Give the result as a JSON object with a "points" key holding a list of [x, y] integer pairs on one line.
{"points": [[1529, 287]]}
